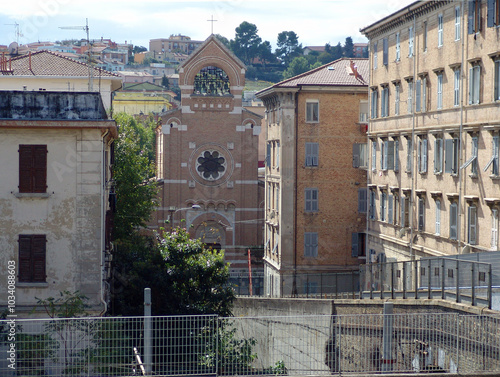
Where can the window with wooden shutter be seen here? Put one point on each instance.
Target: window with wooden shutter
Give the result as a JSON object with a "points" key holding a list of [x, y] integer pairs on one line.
{"points": [[32, 258], [32, 168]]}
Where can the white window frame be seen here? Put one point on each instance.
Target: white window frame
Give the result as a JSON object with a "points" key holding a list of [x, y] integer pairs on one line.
{"points": [[422, 154], [494, 229], [384, 111], [374, 104], [496, 93], [397, 91], [472, 225], [409, 152], [438, 155], [398, 46], [458, 18], [440, 30], [456, 87], [383, 206], [473, 157], [421, 214], [375, 55], [494, 157], [438, 217], [374, 155], [440, 91], [410, 41], [390, 209], [312, 111], [454, 221], [311, 201], [383, 154], [474, 84]]}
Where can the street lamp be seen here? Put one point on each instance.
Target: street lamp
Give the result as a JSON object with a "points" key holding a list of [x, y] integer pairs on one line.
{"points": [[173, 210]]}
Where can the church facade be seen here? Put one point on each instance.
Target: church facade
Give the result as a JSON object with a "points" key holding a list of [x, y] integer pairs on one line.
{"points": [[207, 157]]}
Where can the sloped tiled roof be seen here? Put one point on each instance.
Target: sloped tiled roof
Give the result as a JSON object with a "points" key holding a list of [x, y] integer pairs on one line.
{"points": [[337, 73], [48, 63]]}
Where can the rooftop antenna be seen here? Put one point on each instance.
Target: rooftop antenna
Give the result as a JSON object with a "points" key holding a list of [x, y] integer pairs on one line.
{"points": [[17, 32], [89, 50]]}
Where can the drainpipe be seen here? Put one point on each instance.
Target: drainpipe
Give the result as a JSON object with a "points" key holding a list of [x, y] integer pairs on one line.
{"points": [[460, 175], [103, 225], [414, 168], [296, 105]]}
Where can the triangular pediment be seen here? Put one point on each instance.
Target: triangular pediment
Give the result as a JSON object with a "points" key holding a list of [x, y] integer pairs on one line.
{"points": [[203, 51]]}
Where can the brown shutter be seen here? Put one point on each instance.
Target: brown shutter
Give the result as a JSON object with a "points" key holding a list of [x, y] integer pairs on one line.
{"points": [[40, 168], [38, 258], [24, 273], [25, 168]]}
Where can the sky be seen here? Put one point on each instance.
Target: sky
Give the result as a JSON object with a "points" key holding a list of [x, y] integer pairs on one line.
{"points": [[316, 22]]}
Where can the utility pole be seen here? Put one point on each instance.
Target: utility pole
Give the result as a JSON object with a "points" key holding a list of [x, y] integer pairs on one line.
{"points": [[89, 50]]}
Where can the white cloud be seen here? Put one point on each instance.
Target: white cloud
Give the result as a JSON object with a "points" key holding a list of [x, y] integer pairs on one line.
{"points": [[315, 21]]}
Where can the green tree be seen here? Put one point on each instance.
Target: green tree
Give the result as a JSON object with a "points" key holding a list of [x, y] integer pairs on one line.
{"points": [[348, 50], [288, 46], [223, 39], [133, 173], [265, 53], [246, 42], [138, 49], [297, 66], [184, 276], [164, 81]]}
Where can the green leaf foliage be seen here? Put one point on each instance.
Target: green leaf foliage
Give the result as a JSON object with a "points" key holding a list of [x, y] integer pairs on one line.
{"points": [[133, 173], [184, 276]]}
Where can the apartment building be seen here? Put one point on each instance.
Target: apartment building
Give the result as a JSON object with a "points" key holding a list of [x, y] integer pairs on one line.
{"points": [[315, 188], [434, 181], [56, 206]]}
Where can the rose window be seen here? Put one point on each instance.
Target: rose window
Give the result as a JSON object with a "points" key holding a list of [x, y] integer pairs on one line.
{"points": [[211, 165]]}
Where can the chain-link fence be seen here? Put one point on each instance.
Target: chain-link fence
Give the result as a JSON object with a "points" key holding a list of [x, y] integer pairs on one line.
{"points": [[458, 280], [211, 346]]}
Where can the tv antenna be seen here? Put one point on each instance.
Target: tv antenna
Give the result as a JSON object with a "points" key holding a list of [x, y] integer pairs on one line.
{"points": [[89, 50], [17, 31]]}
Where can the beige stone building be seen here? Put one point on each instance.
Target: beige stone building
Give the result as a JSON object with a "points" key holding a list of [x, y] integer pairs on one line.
{"points": [[315, 186], [176, 43], [207, 156], [55, 214], [434, 130]]}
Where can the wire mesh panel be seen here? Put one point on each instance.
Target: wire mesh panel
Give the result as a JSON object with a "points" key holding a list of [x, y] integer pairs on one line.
{"points": [[291, 345]]}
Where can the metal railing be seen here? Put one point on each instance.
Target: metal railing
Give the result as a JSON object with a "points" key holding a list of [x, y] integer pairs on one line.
{"points": [[212, 346], [306, 285], [458, 280]]}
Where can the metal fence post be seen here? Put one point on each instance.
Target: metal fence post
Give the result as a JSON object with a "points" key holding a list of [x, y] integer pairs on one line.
{"points": [[415, 278], [490, 288], [392, 280], [443, 295], [340, 346], [429, 291], [147, 331], [387, 337], [473, 283], [403, 276]]}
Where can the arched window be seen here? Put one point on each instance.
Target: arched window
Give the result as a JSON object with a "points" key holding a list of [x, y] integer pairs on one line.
{"points": [[211, 81]]}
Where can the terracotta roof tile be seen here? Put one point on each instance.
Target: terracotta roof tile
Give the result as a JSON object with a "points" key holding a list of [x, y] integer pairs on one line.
{"points": [[337, 73], [48, 63]]}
